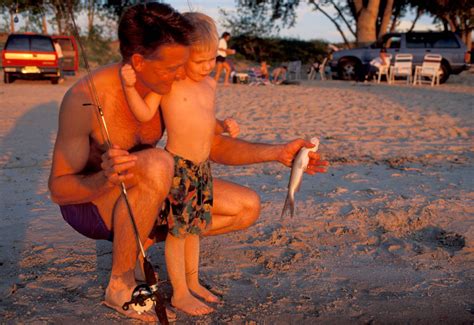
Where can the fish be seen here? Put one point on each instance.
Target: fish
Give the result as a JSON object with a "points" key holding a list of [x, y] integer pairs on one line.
{"points": [[300, 164]]}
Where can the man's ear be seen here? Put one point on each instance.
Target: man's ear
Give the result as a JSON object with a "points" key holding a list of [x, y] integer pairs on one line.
{"points": [[137, 61]]}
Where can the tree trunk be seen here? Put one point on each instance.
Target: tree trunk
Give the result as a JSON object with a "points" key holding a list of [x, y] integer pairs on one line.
{"points": [[387, 14], [12, 22], [44, 25], [90, 16], [418, 14], [366, 21]]}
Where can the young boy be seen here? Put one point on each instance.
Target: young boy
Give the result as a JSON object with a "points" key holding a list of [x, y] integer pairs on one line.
{"points": [[189, 114], [145, 109]]}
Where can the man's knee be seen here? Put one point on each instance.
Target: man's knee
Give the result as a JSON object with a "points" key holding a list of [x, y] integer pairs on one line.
{"points": [[155, 168], [251, 209]]}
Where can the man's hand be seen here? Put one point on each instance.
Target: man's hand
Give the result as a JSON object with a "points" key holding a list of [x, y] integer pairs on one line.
{"points": [[291, 149], [116, 163], [128, 75]]}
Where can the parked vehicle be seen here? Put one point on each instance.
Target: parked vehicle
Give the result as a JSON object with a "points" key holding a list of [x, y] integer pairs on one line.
{"points": [[32, 56], [347, 64]]}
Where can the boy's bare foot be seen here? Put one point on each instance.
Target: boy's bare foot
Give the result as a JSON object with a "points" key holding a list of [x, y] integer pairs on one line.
{"points": [[204, 293], [191, 305], [116, 299]]}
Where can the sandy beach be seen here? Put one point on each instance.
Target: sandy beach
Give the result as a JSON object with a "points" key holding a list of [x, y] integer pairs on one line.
{"points": [[386, 236]]}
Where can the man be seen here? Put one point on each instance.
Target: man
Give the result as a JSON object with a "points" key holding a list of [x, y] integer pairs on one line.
{"points": [[279, 74], [85, 174], [59, 53]]}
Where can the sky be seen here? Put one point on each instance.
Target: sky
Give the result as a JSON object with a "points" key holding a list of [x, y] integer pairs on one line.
{"points": [[309, 24]]}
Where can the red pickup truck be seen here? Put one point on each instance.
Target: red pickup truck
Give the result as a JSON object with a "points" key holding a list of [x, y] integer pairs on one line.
{"points": [[32, 56]]}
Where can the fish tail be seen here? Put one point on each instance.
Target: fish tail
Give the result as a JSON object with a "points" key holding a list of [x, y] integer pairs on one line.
{"points": [[289, 205]]}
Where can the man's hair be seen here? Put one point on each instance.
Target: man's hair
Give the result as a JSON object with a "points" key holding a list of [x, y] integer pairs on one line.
{"points": [[143, 28], [204, 36], [225, 34]]}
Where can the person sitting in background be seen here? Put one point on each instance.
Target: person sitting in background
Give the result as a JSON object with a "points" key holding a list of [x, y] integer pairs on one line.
{"points": [[279, 74], [375, 65], [264, 70], [313, 70]]}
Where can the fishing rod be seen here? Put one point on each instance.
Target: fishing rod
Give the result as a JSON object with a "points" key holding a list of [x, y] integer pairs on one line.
{"points": [[144, 296]]}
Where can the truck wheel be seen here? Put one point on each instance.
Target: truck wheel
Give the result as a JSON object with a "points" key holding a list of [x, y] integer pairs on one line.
{"points": [[348, 69], [444, 73], [55, 80], [7, 78]]}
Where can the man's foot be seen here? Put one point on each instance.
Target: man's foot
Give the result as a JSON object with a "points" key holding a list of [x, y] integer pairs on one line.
{"points": [[204, 293], [191, 305], [115, 300]]}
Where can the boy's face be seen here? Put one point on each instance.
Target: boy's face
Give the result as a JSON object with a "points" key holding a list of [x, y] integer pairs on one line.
{"points": [[160, 70], [200, 63]]}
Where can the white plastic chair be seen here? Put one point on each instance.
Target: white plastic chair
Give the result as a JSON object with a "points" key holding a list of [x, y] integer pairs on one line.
{"points": [[431, 68], [294, 70], [402, 67], [384, 69]]}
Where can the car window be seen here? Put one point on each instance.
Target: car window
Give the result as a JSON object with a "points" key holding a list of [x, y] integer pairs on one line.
{"points": [[393, 42], [444, 41], [416, 41], [18, 43], [29, 43], [432, 40], [41, 44]]}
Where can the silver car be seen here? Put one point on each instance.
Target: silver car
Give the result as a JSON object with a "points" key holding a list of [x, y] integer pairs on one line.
{"points": [[348, 64]]}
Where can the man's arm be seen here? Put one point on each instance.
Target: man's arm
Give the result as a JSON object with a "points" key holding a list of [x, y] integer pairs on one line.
{"points": [[231, 151], [71, 153]]}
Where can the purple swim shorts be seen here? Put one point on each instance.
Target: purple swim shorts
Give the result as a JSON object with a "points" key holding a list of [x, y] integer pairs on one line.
{"points": [[86, 220]]}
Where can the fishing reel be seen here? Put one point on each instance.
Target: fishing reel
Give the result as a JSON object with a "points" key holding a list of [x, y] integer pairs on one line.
{"points": [[142, 300]]}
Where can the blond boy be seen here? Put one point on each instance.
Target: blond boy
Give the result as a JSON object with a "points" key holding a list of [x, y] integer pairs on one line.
{"points": [[189, 114]]}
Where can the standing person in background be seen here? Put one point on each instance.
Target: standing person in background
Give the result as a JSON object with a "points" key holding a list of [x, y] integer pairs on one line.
{"points": [[59, 52], [222, 52]]}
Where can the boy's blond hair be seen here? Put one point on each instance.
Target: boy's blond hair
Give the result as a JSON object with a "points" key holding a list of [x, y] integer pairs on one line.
{"points": [[204, 37]]}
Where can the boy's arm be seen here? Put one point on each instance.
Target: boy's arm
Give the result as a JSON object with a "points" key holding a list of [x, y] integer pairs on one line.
{"points": [[142, 109]]}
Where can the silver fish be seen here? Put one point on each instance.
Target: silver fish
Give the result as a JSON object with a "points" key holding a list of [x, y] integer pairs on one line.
{"points": [[297, 170]]}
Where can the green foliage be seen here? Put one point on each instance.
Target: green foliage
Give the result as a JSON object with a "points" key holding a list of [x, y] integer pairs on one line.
{"points": [[277, 50], [99, 50]]}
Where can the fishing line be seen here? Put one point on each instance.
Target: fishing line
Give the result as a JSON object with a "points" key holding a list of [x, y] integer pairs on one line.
{"points": [[144, 297]]}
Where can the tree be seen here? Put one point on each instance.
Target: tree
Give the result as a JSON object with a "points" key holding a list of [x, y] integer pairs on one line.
{"points": [[455, 15], [365, 20]]}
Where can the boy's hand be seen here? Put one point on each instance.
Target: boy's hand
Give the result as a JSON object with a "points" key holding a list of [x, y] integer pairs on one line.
{"points": [[232, 127], [128, 75]]}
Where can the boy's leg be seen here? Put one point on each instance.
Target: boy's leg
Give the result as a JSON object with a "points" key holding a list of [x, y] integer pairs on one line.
{"points": [[175, 255], [191, 255]]}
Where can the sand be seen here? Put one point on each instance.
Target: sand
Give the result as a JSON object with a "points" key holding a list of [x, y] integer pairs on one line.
{"points": [[385, 236]]}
